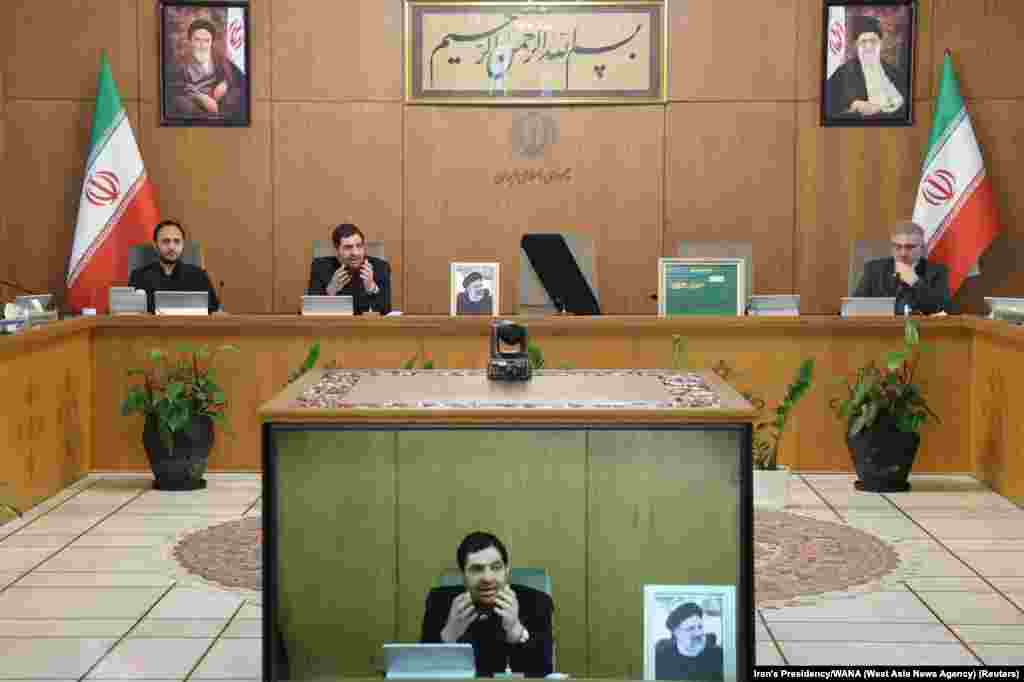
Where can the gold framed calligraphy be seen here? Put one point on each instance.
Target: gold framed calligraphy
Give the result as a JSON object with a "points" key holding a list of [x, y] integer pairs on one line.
{"points": [[535, 52]]}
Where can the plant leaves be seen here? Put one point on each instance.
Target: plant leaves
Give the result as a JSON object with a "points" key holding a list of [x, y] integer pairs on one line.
{"points": [[911, 334]]}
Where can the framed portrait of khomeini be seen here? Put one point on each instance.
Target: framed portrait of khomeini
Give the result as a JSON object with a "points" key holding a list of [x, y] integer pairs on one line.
{"points": [[204, 63], [867, 59]]}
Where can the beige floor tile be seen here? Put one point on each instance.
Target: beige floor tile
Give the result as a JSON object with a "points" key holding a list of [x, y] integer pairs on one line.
{"points": [[860, 653], [180, 627], [964, 608], [1007, 584], [66, 627], [77, 602], [842, 497], [875, 607], [126, 524], [885, 526], [990, 634], [1016, 597], [94, 539], [8, 577], [959, 529], [983, 545], [95, 579], [251, 611], [934, 565], [246, 627], [767, 653], [23, 558], [953, 501], [50, 658], [958, 584], [818, 513], [53, 542], [1000, 654], [193, 602], [106, 559], [142, 658], [995, 564], [232, 658], [60, 524], [863, 632]]}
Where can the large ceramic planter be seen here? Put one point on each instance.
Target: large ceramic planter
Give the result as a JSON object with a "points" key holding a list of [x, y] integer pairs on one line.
{"points": [[770, 488], [184, 466], [882, 457]]}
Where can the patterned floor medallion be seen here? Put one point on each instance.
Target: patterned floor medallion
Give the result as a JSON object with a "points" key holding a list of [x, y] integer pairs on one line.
{"points": [[228, 554], [794, 556]]}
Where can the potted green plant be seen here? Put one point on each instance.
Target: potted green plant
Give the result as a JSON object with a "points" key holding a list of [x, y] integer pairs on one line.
{"points": [[771, 478], [181, 400], [883, 410]]}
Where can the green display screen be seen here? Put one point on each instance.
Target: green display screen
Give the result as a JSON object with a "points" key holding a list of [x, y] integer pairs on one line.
{"points": [[700, 288]]}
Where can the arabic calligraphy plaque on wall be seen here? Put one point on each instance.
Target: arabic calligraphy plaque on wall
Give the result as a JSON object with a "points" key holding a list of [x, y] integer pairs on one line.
{"points": [[535, 52]]}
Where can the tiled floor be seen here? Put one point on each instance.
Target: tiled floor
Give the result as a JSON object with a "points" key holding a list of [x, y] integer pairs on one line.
{"points": [[85, 592]]}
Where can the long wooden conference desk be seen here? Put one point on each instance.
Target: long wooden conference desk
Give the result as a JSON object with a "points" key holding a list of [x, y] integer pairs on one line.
{"points": [[62, 384]]}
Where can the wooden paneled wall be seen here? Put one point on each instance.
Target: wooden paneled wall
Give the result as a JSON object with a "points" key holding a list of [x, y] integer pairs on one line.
{"points": [[737, 153]]}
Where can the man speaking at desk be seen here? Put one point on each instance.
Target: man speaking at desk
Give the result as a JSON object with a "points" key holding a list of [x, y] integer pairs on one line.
{"points": [[917, 285], [168, 273], [508, 625], [352, 273]]}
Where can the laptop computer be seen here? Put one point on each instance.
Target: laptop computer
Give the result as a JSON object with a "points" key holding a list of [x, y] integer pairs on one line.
{"points": [[1004, 308], [127, 300], [878, 307], [181, 302], [327, 305], [429, 661]]}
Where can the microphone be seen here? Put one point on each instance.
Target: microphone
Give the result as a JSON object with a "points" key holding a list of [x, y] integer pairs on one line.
{"points": [[220, 296]]}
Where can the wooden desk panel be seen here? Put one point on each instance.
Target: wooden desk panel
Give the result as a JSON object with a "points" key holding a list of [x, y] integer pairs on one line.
{"points": [[46, 411], [971, 378]]}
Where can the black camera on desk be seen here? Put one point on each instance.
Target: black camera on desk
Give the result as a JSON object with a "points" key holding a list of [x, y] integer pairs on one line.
{"points": [[511, 365]]}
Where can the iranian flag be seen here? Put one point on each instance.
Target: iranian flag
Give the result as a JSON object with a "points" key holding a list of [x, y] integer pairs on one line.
{"points": [[117, 207], [955, 204]]}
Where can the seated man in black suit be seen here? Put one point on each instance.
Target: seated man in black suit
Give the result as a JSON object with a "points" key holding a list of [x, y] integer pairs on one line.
{"points": [[509, 626], [917, 285], [168, 273], [352, 273]]}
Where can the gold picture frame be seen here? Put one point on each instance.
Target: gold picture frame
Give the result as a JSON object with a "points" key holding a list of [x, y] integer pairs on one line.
{"points": [[588, 52]]}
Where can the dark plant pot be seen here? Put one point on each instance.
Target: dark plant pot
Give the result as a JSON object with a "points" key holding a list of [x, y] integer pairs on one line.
{"points": [[882, 457], [183, 468]]}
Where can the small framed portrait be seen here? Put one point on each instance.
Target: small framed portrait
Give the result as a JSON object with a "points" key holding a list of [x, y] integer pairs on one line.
{"points": [[204, 63], [690, 632], [867, 56], [474, 289]]}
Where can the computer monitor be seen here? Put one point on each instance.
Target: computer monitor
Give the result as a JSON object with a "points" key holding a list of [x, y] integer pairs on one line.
{"points": [[327, 305], [560, 274]]}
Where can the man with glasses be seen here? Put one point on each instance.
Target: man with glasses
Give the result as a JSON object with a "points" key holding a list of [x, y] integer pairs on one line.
{"points": [[917, 285], [867, 86]]}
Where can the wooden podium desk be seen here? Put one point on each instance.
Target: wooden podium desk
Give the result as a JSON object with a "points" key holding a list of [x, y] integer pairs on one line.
{"points": [[60, 415], [608, 479]]}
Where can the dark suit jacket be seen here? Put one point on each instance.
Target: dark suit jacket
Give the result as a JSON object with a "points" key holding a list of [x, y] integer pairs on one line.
{"points": [[847, 84], [929, 295], [323, 269], [491, 651], [184, 277]]}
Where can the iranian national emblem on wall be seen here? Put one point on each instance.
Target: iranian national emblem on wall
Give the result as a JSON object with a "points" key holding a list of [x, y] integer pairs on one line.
{"points": [[533, 133]]}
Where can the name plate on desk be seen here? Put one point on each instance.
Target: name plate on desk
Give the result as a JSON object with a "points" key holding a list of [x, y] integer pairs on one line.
{"points": [[1008, 309], [429, 662], [327, 305], [181, 303], [701, 286], [876, 307], [782, 304]]}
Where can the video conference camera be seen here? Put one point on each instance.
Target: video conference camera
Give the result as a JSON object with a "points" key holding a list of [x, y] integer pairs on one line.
{"points": [[511, 365]]}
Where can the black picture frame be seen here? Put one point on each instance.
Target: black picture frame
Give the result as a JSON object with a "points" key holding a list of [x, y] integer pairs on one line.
{"points": [[844, 97], [228, 89]]}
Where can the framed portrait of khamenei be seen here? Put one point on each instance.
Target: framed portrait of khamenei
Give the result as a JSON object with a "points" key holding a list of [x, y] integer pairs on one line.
{"points": [[690, 632], [204, 63], [867, 60], [474, 288], [590, 51]]}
